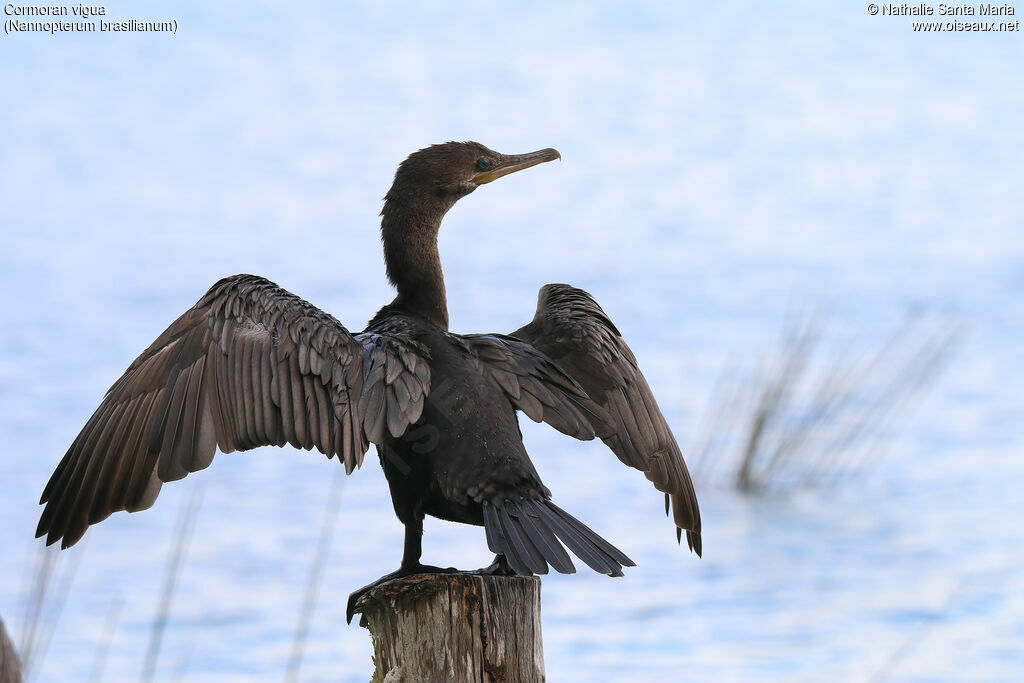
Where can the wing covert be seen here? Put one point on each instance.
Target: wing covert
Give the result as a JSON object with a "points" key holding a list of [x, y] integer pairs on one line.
{"points": [[533, 384]]}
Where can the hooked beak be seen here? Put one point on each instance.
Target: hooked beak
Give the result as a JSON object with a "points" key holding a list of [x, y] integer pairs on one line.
{"points": [[515, 162]]}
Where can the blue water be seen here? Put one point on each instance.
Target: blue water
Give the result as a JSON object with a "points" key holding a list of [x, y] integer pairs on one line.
{"points": [[719, 161]]}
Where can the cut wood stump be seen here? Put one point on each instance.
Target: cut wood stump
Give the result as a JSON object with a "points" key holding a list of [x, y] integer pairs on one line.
{"points": [[455, 627]]}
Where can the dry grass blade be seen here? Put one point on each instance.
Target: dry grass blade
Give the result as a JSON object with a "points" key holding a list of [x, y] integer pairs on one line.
{"points": [[99, 664], [921, 365], [921, 630], [776, 397], [34, 606], [723, 411], [43, 609], [178, 551], [315, 574], [813, 420]]}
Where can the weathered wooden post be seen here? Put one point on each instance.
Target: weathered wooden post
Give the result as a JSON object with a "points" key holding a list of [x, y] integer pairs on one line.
{"points": [[455, 627], [10, 665]]}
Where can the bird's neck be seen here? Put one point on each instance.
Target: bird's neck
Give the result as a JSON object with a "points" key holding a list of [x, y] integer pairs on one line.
{"points": [[409, 231]]}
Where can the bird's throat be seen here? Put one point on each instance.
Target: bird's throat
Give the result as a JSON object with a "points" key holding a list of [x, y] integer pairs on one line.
{"points": [[414, 264]]}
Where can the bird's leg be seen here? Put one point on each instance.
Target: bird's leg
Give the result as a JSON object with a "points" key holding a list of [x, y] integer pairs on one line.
{"points": [[410, 565], [499, 567]]}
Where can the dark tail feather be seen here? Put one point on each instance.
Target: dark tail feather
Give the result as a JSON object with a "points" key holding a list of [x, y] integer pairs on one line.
{"points": [[530, 534], [525, 558], [588, 533], [506, 536], [545, 539]]}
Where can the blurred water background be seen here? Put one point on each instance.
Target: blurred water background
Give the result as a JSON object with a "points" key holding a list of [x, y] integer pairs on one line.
{"points": [[721, 162]]}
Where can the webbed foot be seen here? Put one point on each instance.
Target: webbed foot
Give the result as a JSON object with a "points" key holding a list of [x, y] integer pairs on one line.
{"points": [[397, 574], [499, 567]]}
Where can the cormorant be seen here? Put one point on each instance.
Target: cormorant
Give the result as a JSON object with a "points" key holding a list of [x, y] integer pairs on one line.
{"points": [[254, 365]]}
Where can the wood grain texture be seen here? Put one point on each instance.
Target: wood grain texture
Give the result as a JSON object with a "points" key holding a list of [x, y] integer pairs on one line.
{"points": [[10, 665], [455, 627]]}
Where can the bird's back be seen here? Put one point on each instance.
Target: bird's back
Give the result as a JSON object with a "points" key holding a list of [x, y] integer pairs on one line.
{"points": [[469, 433]]}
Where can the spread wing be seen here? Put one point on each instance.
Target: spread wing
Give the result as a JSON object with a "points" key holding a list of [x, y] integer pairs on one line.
{"points": [[571, 329], [249, 365]]}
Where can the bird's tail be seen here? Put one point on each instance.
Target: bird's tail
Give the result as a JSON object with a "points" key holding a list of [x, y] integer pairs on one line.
{"points": [[531, 533]]}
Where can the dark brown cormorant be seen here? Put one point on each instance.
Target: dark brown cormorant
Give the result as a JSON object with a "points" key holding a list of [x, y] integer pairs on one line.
{"points": [[253, 365]]}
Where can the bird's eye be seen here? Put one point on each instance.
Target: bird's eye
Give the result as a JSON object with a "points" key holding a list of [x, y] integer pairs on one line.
{"points": [[482, 164]]}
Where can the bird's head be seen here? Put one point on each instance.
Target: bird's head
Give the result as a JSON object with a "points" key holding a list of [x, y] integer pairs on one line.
{"points": [[427, 184], [449, 171]]}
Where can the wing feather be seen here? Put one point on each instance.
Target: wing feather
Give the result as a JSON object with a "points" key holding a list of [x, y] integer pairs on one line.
{"points": [[533, 383], [249, 365], [117, 496], [170, 429], [571, 329]]}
